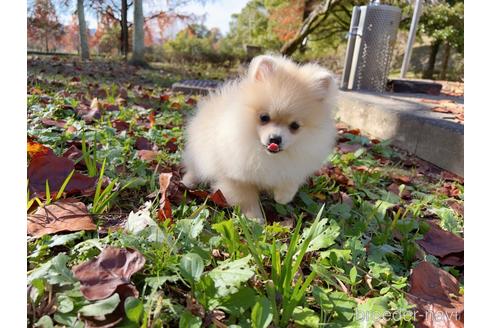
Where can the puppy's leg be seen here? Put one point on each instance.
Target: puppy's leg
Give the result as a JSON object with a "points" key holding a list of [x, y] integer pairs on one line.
{"points": [[285, 192], [244, 195], [189, 179]]}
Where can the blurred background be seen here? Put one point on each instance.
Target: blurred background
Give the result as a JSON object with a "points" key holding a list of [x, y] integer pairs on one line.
{"points": [[223, 34]]}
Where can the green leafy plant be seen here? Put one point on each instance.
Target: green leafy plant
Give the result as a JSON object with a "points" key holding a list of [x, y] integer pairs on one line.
{"points": [[284, 268]]}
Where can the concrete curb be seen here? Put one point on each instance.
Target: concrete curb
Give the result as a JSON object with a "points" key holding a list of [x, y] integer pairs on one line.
{"points": [[408, 123]]}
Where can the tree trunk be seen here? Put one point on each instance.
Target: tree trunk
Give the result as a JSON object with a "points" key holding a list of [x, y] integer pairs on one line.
{"points": [[308, 26], [124, 45], [429, 71], [84, 46], [46, 40], [445, 61], [138, 34]]}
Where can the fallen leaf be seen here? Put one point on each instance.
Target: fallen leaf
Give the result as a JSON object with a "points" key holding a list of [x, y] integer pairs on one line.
{"points": [[171, 145], [449, 189], [51, 122], [435, 293], [165, 211], [445, 245], [112, 319], [148, 155], [175, 105], [395, 189], [191, 101], [401, 178], [56, 169], [152, 119], [94, 112], [348, 148], [101, 276], [35, 149], [62, 215], [143, 143], [456, 206], [218, 198], [120, 125], [441, 110], [110, 107], [449, 176], [353, 131], [164, 98]]}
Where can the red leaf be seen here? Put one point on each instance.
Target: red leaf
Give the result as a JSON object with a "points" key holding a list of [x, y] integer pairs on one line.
{"points": [[152, 119], [449, 248], [35, 149], [353, 131], [143, 144], [218, 198], [436, 295], [171, 145], [120, 125], [56, 169], [191, 101]]}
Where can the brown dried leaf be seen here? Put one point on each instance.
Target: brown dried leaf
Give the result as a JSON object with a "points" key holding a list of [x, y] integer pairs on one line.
{"points": [[112, 319], [143, 144], [348, 148], [436, 295], [51, 122], [165, 211], [449, 248], [100, 277], [120, 125], [63, 215], [147, 155], [95, 111]]}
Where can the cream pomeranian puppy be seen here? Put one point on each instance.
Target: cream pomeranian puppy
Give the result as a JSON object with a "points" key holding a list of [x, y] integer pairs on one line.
{"points": [[265, 132]]}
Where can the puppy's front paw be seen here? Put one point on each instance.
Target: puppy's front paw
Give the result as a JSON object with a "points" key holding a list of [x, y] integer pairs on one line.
{"points": [[189, 180], [284, 196]]}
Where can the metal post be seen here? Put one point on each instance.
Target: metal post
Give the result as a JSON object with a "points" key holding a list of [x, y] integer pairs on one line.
{"points": [[411, 38]]}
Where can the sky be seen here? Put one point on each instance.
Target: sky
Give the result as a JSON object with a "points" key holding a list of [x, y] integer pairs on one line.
{"points": [[217, 13]]}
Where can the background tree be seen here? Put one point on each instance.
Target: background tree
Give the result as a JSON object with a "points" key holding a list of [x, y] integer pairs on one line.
{"points": [[43, 26], [138, 35], [84, 44], [70, 40], [444, 24]]}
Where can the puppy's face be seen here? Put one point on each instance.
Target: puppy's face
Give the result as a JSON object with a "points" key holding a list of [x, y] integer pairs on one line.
{"points": [[276, 130], [287, 101]]}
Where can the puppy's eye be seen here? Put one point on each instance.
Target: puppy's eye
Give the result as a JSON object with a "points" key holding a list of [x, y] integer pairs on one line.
{"points": [[294, 126], [264, 118]]}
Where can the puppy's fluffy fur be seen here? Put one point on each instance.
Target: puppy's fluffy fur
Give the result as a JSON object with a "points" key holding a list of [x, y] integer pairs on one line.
{"points": [[228, 138]]}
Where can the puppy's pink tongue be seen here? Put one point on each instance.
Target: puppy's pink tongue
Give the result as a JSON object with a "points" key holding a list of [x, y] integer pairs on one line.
{"points": [[273, 147]]}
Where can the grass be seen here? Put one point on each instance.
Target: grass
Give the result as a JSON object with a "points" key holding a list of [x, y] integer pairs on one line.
{"points": [[346, 244]]}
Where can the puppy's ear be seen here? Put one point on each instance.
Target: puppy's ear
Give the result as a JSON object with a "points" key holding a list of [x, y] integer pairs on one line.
{"points": [[324, 83], [261, 67]]}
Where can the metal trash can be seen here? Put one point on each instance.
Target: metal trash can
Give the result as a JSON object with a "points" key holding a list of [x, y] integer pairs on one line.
{"points": [[372, 36]]}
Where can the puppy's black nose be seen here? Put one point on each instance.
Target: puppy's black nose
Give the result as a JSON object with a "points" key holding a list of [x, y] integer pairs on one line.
{"points": [[276, 140]]}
